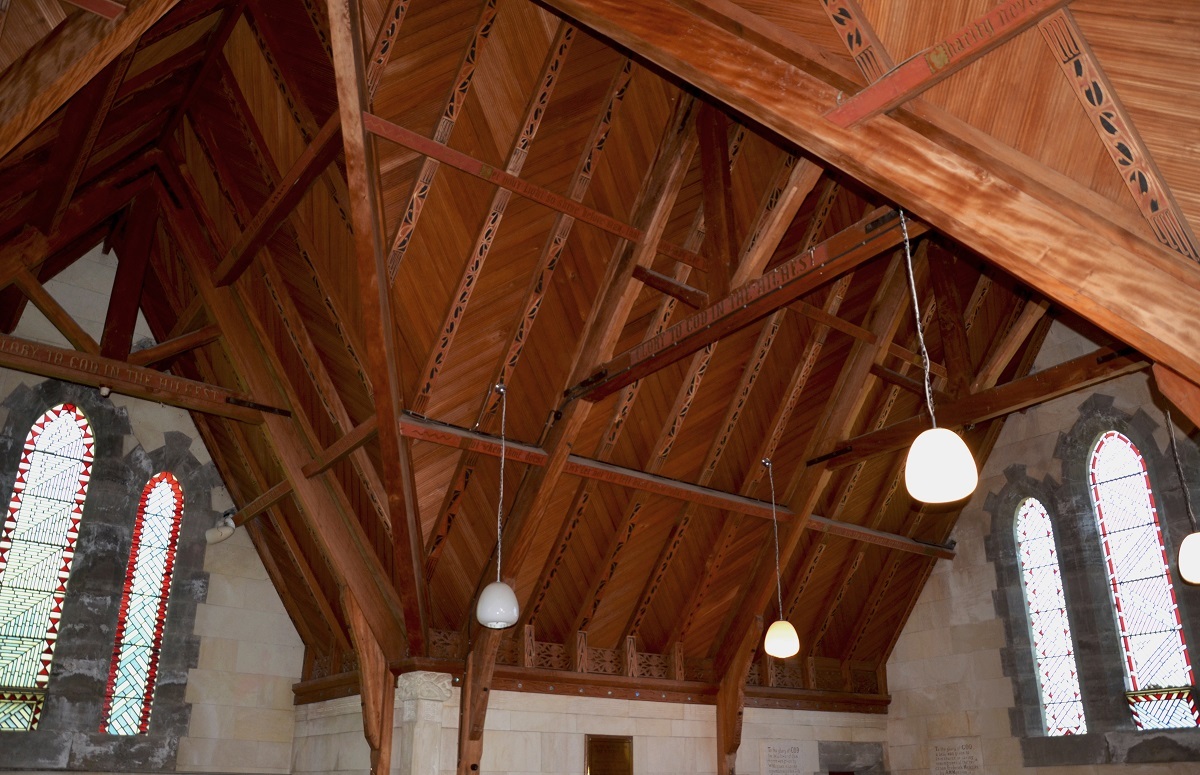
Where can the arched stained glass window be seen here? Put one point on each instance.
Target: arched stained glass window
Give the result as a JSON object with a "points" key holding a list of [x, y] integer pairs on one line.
{"points": [[1050, 629], [37, 546], [1158, 672], [143, 612]]}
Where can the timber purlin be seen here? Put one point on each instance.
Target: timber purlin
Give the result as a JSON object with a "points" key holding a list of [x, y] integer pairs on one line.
{"points": [[527, 190]]}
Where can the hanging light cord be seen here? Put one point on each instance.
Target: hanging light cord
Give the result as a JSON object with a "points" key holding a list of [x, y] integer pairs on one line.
{"points": [[1187, 499], [500, 502], [912, 287], [766, 461]]}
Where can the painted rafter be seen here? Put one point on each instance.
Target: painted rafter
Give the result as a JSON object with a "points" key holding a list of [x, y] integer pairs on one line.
{"points": [[270, 45], [750, 302], [779, 421], [941, 60], [792, 183], [415, 202], [543, 273], [801, 494], [1093, 256], [750, 263], [385, 43], [535, 110], [580, 503], [1116, 130], [443, 154], [293, 322], [608, 315]]}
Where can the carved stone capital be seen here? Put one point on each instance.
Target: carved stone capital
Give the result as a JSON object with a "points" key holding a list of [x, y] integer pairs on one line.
{"points": [[424, 685]]}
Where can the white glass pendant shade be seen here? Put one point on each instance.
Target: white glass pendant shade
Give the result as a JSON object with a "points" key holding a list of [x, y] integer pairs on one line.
{"points": [[939, 468], [222, 530], [497, 607], [781, 641], [1189, 559]]}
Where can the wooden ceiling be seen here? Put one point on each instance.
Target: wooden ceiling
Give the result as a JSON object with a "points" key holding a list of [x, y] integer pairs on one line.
{"points": [[669, 228]]}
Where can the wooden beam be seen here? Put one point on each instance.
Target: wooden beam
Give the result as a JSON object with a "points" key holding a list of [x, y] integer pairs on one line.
{"points": [[607, 318], [215, 45], [291, 189], [841, 410], [21, 255], [42, 79], [941, 60], [1069, 249], [366, 208], [95, 371], [377, 685], [751, 302], [693, 297], [174, 347], [535, 193], [1087, 370], [385, 43], [460, 298], [957, 351], [124, 300], [276, 45], [731, 699], [1115, 129], [294, 324], [81, 123], [588, 468], [777, 207], [61, 319], [263, 502], [338, 533], [105, 9], [1008, 344], [343, 446], [455, 100], [1181, 392], [720, 245]]}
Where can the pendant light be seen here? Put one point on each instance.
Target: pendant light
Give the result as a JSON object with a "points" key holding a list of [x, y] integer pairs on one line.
{"points": [[497, 607], [939, 467], [1189, 549], [781, 640]]}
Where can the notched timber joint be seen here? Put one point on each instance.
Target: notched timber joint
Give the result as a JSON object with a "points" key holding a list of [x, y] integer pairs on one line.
{"points": [[257, 406], [829, 455], [583, 387]]}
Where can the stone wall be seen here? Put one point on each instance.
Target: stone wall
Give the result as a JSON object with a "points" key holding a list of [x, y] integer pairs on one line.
{"points": [[962, 672], [223, 700], [539, 733]]}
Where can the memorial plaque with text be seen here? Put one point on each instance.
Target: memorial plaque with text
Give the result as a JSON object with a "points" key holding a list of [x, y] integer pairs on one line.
{"points": [[956, 756]]}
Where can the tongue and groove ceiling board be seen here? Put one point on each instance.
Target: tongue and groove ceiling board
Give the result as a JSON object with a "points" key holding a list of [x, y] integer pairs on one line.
{"points": [[507, 251]]}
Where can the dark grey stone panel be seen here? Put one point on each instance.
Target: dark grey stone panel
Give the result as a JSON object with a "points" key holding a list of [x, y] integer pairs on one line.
{"points": [[859, 758], [68, 736], [1112, 736]]}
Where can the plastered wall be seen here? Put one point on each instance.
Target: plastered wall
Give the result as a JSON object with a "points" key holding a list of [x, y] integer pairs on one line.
{"points": [[537, 733]]}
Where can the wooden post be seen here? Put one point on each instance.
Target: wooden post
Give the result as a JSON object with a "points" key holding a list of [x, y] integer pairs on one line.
{"points": [[376, 683]]}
